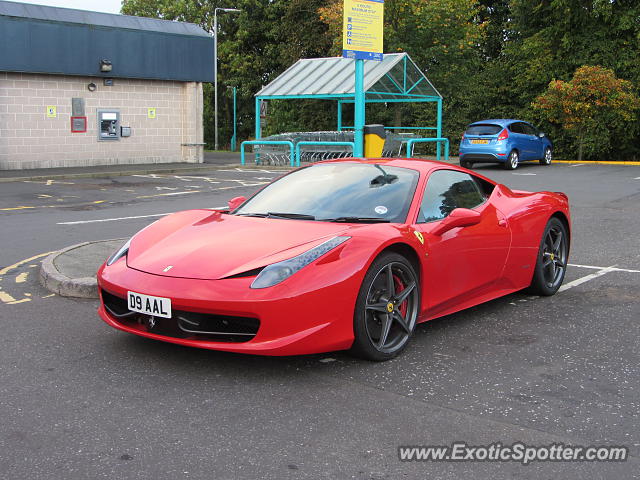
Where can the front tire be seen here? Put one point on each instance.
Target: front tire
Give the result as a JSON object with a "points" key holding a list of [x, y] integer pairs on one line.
{"points": [[553, 254], [546, 159], [512, 160], [386, 309]]}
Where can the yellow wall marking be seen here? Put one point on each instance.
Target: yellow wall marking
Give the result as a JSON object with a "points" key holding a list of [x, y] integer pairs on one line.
{"points": [[22, 277]]}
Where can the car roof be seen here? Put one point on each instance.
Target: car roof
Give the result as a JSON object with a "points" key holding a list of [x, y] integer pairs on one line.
{"points": [[499, 121], [422, 165]]}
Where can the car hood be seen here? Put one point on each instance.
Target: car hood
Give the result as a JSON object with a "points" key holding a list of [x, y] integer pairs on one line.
{"points": [[204, 244]]}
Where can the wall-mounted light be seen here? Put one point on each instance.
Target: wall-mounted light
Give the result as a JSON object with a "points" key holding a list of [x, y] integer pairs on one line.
{"points": [[92, 87], [105, 65]]}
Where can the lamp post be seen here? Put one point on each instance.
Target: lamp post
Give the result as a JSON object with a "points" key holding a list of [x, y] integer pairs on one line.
{"points": [[215, 67], [234, 137]]}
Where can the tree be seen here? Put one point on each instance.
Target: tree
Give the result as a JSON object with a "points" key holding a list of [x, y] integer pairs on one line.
{"points": [[254, 46], [594, 107], [443, 38]]}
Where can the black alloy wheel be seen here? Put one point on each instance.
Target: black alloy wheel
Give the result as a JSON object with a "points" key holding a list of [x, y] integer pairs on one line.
{"points": [[386, 309], [553, 256]]}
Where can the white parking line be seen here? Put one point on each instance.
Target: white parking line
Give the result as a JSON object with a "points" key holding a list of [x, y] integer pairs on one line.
{"points": [[586, 278], [113, 219], [616, 269], [100, 220]]}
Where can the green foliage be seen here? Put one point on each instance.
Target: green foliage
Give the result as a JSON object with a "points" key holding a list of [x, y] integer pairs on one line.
{"points": [[488, 58], [594, 107]]}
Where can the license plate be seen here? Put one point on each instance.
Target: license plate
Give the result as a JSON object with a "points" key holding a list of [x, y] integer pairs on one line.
{"points": [[484, 142], [156, 306]]}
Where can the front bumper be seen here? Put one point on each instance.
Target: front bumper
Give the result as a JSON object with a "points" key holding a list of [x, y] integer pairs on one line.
{"points": [[302, 315]]}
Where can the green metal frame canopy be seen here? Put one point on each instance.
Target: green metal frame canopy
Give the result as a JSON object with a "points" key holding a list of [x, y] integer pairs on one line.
{"points": [[395, 79]]}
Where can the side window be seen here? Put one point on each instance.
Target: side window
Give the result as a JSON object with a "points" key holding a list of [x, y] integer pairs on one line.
{"points": [[529, 130], [516, 127], [447, 190]]}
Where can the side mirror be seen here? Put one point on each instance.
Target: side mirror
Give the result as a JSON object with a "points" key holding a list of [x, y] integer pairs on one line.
{"points": [[541, 135], [460, 217], [235, 203]]}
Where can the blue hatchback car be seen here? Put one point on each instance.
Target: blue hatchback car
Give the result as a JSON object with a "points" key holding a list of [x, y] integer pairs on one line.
{"points": [[505, 141]]}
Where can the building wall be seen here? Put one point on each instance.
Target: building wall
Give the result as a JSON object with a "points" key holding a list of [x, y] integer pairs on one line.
{"points": [[31, 139]]}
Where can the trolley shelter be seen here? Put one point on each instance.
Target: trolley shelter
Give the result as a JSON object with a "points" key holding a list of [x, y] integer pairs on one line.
{"points": [[396, 79]]}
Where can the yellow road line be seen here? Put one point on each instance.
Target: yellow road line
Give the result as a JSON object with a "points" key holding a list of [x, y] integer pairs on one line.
{"points": [[16, 208], [6, 298], [49, 296], [20, 301], [26, 260], [23, 207], [22, 277], [603, 162]]}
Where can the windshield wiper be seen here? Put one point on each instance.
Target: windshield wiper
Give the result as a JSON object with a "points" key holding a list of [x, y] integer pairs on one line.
{"points": [[292, 216], [356, 220], [296, 216]]}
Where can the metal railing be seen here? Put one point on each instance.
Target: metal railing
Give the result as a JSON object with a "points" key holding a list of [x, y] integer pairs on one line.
{"points": [[267, 142], [439, 141], [300, 144]]}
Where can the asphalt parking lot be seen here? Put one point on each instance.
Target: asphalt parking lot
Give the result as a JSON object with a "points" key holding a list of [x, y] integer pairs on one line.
{"points": [[81, 400]]}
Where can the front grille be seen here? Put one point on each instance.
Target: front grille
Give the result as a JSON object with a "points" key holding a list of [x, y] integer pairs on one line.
{"points": [[183, 324]]}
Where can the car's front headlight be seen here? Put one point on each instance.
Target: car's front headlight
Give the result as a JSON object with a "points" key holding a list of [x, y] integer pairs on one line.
{"points": [[120, 253], [277, 272]]}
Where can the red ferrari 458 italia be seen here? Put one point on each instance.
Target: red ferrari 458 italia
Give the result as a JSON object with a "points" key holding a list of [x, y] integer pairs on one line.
{"points": [[343, 254]]}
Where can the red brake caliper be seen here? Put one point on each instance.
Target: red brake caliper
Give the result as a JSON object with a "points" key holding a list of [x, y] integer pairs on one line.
{"points": [[399, 288]]}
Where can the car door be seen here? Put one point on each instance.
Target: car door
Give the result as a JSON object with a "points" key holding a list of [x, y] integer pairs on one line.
{"points": [[465, 262], [521, 140], [535, 142]]}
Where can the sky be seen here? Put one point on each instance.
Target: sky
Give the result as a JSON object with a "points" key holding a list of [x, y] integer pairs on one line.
{"points": [[106, 6]]}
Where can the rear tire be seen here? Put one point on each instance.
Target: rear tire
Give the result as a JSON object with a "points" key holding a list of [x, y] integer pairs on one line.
{"points": [[551, 264], [546, 159], [512, 160], [466, 164], [386, 309]]}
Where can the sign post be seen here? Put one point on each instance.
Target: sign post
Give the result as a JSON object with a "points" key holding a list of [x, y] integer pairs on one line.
{"points": [[362, 39]]}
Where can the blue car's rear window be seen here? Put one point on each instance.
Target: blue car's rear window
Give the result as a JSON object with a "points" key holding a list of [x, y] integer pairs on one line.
{"points": [[483, 129]]}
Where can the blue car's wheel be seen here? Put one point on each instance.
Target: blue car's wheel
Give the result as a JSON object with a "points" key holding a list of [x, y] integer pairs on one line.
{"points": [[512, 160], [546, 160], [466, 164]]}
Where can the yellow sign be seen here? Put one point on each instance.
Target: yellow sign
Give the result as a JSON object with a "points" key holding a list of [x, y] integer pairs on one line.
{"points": [[51, 111], [151, 112], [362, 34]]}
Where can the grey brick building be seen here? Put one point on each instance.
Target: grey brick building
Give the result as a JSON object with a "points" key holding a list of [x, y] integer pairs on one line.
{"points": [[85, 88]]}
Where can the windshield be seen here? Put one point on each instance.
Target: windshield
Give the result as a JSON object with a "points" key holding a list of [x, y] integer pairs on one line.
{"points": [[338, 192], [483, 129]]}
